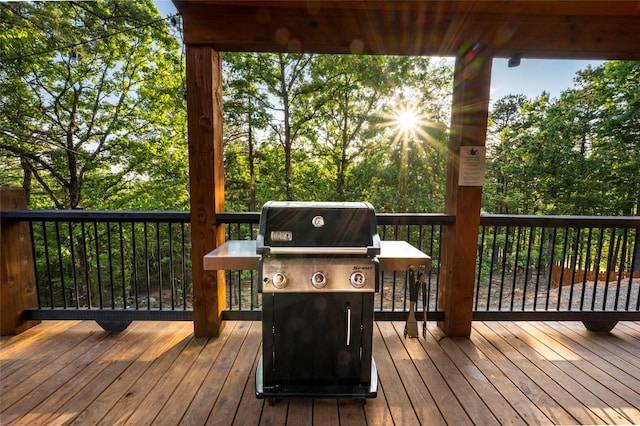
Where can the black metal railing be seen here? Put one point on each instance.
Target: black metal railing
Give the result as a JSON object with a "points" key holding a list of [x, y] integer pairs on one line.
{"points": [[111, 266], [561, 267]]}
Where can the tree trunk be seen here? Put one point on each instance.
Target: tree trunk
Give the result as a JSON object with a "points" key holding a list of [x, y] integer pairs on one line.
{"points": [[26, 180], [286, 143], [252, 172]]}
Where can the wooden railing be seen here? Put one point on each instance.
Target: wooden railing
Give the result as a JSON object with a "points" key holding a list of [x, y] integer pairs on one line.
{"points": [[116, 267]]}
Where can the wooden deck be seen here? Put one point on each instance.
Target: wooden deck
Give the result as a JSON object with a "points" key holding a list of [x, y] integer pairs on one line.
{"points": [[158, 373]]}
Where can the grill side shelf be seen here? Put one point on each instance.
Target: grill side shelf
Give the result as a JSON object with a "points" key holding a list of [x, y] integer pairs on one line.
{"points": [[238, 255]]}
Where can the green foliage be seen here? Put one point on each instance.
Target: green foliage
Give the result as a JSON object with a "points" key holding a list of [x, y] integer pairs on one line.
{"points": [[576, 155], [91, 95], [93, 117], [322, 127]]}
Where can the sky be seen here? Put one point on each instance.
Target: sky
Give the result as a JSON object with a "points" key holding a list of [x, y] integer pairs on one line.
{"points": [[531, 78], [534, 76]]}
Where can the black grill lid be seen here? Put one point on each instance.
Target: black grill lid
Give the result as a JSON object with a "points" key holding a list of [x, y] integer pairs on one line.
{"points": [[328, 228]]}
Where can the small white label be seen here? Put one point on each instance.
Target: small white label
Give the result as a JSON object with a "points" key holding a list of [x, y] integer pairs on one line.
{"points": [[281, 236], [472, 164]]}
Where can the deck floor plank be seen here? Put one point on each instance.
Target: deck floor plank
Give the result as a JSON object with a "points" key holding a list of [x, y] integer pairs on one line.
{"points": [[528, 412], [282, 412], [114, 366], [400, 406], [611, 347], [181, 397], [589, 376], [128, 403], [415, 384], [571, 402], [603, 363], [164, 388], [20, 400], [376, 411], [522, 372], [597, 362], [469, 399], [212, 384], [325, 412], [226, 405], [576, 381], [249, 407], [483, 386], [629, 332], [19, 349], [123, 386], [351, 413], [81, 372], [43, 353]]}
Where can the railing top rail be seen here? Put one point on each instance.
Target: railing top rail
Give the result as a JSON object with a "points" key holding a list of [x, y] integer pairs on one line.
{"points": [[96, 215], [414, 218], [561, 221], [382, 218], [177, 216]]}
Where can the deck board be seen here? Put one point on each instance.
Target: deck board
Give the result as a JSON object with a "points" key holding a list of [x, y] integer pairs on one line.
{"points": [[63, 372], [574, 380]]}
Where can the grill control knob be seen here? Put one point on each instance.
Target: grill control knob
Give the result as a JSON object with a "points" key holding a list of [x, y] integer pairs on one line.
{"points": [[318, 280], [357, 279], [279, 280]]}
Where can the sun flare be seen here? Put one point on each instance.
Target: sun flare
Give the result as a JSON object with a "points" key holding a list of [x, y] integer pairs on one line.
{"points": [[408, 123], [408, 120]]}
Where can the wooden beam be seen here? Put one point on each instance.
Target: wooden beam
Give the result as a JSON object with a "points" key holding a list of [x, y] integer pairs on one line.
{"points": [[17, 275], [531, 28], [470, 105], [206, 179]]}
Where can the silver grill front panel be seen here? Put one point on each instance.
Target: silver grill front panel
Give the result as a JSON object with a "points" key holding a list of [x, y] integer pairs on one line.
{"points": [[318, 274]]}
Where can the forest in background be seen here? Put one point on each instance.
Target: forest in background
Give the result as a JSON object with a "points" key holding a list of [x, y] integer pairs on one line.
{"points": [[94, 117]]}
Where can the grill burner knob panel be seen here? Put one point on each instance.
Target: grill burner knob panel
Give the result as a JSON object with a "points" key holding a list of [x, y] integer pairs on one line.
{"points": [[357, 279], [318, 280], [279, 280], [297, 274]]}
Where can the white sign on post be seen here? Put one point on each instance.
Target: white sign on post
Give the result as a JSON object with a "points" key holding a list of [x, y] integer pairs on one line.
{"points": [[472, 164]]}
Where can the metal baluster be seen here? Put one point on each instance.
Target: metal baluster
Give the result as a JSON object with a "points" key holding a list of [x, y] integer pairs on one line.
{"points": [[504, 266], [122, 270], [113, 293], [60, 265], [479, 274]]}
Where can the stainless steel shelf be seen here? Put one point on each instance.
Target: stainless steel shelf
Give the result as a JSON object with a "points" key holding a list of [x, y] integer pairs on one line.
{"points": [[238, 255]]}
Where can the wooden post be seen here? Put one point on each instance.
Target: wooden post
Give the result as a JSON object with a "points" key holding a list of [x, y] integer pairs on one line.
{"points": [[470, 105], [17, 275], [206, 178]]}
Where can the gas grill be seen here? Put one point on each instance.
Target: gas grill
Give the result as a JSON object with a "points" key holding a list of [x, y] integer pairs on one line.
{"points": [[319, 266], [318, 273]]}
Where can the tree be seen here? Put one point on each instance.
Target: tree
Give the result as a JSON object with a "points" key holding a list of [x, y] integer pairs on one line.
{"points": [[615, 132], [246, 117], [286, 77], [411, 124], [498, 194], [91, 94], [353, 89]]}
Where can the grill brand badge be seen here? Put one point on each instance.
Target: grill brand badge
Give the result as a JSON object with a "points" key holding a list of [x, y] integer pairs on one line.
{"points": [[281, 236], [317, 221]]}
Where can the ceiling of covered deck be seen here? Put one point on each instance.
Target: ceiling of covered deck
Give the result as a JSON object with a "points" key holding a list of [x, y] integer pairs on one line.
{"points": [[531, 29]]}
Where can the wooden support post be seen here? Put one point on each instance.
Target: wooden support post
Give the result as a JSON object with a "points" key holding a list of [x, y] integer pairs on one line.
{"points": [[206, 178], [472, 80], [17, 275]]}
